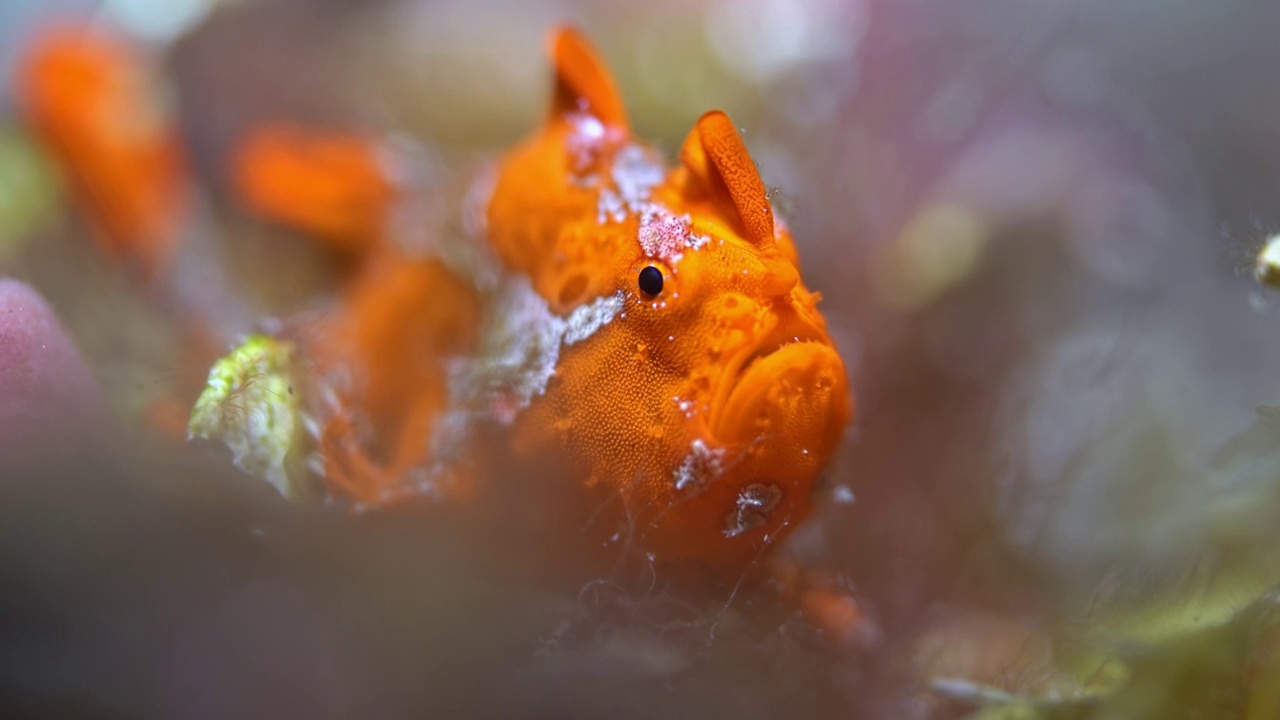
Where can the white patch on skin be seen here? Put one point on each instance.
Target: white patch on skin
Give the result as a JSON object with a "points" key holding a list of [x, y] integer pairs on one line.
{"points": [[635, 174], [521, 348], [610, 207], [702, 465], [667, 237], [586, 319], [752, 509], [586, 141]]}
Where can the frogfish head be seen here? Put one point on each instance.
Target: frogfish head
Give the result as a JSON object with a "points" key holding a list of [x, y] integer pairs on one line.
{"points": [[697, 382]]}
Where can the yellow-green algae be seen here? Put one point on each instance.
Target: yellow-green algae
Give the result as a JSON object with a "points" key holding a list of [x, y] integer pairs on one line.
{"points": [[1228, 670], [250, 404], [29, 191], [1209, 647]]}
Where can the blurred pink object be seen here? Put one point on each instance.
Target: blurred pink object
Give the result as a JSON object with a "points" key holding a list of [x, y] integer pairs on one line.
{"points": [[48, 396]]}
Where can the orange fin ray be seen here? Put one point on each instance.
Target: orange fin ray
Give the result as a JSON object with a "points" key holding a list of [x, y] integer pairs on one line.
{"points": [[583, 82]]}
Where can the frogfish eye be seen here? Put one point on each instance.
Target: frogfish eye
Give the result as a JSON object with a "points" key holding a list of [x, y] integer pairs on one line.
{"points": [[651, 281]]}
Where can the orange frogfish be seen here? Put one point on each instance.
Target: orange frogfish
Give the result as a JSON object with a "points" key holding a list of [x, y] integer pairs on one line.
{"points": [[646, 327], [692, 373]]}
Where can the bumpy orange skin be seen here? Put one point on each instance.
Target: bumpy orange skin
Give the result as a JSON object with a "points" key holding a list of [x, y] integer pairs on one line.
{"points": [[711, 408], [88, 97]]}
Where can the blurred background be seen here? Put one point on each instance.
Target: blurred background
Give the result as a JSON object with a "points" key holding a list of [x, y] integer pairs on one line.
{"points": [[1034, 226]]}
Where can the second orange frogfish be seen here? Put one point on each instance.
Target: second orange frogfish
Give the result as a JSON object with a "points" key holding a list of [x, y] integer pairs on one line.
{"points": [[94, 106], [646, 327]]}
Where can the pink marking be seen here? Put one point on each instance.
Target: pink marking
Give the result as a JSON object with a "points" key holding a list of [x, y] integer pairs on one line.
{"points": [[665, 236]]}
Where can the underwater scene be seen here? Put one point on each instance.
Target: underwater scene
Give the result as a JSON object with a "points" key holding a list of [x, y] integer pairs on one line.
{"points": [[905, 359]]}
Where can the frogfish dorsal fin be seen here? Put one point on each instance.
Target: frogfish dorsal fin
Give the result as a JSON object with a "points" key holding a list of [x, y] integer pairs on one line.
{"points": [[582, 81], [716, 163]]}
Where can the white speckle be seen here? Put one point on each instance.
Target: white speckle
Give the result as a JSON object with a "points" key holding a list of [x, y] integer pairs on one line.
{"points": [[636, 171], [702, 465], [632, 175], [590, 127], [521, 349], [667, 237], [586, 319], [311, 425], [967, 691], [610, 207], [330, 397], [475, 204], [315, 463], [843, 494], [1267, 269], [686, 406], [752, 509], [586, 141]]}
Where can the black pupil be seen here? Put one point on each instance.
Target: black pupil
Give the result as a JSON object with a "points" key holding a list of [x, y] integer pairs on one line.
{"points": [[651, 280]]}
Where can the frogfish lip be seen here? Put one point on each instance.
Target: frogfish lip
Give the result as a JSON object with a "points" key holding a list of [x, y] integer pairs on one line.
{"points": [[788, 389], [778, 414]]}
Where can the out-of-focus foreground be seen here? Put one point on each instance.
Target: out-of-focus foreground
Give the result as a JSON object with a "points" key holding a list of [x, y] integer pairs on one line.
{"points": [[1033, 224]]}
